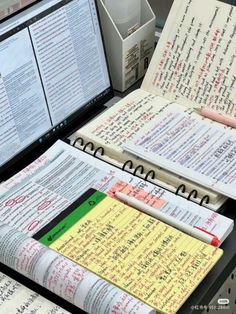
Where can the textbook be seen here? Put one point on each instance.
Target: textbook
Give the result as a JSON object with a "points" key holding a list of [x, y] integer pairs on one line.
{"points": [[193, 66], [138, 263]]}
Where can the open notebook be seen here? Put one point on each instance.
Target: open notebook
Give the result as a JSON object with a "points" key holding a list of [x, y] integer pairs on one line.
{"points": [[193, 66]]}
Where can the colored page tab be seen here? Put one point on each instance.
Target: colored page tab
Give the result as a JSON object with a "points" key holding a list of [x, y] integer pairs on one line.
{"points": [[153, 199]]}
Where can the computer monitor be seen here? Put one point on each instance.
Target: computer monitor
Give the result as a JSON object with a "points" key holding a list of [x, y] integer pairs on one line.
{"points": [[52, 70]]}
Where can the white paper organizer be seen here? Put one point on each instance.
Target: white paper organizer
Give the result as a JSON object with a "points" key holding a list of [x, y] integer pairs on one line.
{"points": [[128, 58]]}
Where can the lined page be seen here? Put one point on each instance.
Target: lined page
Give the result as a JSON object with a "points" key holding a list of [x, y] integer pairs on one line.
{"points": [[203, 151], [149, 259], [195, 61]]}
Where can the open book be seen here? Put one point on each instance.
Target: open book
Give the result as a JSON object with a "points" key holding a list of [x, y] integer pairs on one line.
{"points": [[61, 175], [193, 66], [53, 183]]}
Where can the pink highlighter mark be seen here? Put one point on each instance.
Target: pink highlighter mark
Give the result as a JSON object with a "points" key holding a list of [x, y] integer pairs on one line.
{"points": [[138, 193]]}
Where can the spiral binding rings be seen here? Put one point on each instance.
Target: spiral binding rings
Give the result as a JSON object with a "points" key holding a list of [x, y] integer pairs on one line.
{"points": [[97, 150], [87, 145], [205, 200], [137, 169], [150, 174], [192, 194], [77, 140], [128, 162], [181, 188]]}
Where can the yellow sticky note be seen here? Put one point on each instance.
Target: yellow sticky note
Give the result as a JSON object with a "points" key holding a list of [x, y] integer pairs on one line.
{"points": [[149, 259]]}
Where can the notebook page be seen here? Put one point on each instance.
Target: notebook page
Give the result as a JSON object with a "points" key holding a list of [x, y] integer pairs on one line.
{"points": [[120, 122], [16, 298], [114, 127], [202, 150], [194, 62], [152, 261]]}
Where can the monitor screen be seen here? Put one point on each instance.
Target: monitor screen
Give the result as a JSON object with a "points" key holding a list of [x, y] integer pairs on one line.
{"points": [[52, 65]]}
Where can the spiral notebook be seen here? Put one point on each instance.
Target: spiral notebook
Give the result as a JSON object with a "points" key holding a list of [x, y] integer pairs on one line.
{"points": [[63, 173], [193, 66], [105, 136]]}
